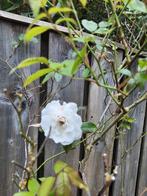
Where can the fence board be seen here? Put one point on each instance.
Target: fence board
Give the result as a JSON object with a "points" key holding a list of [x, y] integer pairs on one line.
{"points": [[59, 50], [128, 154], [98, 101], [11, 144], [142, 176]]}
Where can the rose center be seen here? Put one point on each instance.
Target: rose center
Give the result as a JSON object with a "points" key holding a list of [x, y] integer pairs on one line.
{"points": [[62, 120]]}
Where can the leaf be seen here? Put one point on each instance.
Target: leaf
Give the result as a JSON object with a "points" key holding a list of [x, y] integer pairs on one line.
{"points": [[66, 68], [75, 178], [86, 73], [36, 75], [142, 63], [54, 10], [47, 77], [141, 78], [125, 72], [33, 185], [68, 20], [35, 6], [78, 60], [30, 61], [104, 24], [58, 77], [63, 187], [102, 31], [59, 166], [136, 5], [34, 32], [46, 186], [24, 194], [88, 127], [89, 25], [83, 2], [43, 3]]}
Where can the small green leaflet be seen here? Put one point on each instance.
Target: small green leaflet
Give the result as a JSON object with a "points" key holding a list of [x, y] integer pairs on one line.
{"points": [[33, 185], [88, 127], [30, 61], [83, 2], [35, 6], [34, 60], [136, 5], [125, 72], [68, 20], [35, 31], [36, 75], [86, 73], [46, 186], [54, 10], [89, 25]]}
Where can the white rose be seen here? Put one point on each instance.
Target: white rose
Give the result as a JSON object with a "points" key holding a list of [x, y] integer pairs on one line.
{"points": [[61, 122]]}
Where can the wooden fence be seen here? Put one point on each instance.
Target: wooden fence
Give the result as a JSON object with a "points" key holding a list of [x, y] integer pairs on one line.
{"points": [[131, 145]]}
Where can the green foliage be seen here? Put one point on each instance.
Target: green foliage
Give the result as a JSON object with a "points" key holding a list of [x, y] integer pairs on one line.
{"points": [[136, 5], [37, 75], [35, 31], [91, 26], [88, 127], [33, 185], [83, 2], [31, 61], [126, 122], [46, 186]]}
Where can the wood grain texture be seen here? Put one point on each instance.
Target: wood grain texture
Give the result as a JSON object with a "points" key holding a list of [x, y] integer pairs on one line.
{"points": [[11, 144], [99, 100], [142, 175], [59, 50], [129, 149]]}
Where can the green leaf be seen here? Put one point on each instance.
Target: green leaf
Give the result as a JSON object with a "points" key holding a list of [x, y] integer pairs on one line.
{"points": [[33, 185], [69, 147], [75, 178], [85, 39], [67, 67], [141, 78], [58, 77], [43, 3], [35, 6], [68, 20], [36, 75], [31, 61], [86, 73], [24, 194], [102, 31], [89, 25], [46, 187], [59, 166], [142, 64], [104, 24], [63, 187], [47, 77], [78, 60], [83, 2], [136, 5], [125, 72], [54, 10], [35, 31], [88, 127]]}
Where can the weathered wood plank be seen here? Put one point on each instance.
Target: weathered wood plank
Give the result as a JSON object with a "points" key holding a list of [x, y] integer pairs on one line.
{"points": [[59, 50], [98, 102], [142, 175], [11, 144], [128, 150]]}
